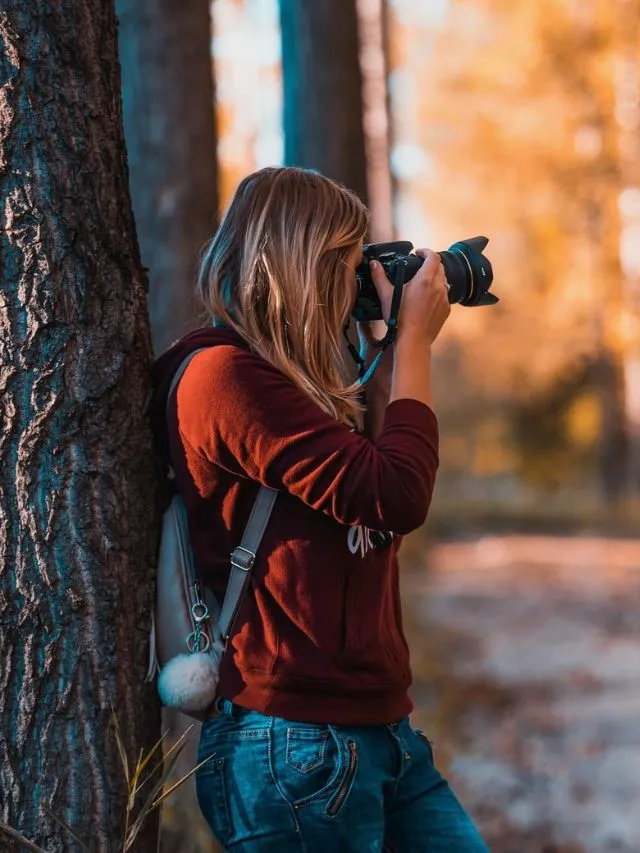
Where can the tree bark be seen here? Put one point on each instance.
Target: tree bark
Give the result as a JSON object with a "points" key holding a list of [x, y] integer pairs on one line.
{"points": [[78, 519], [323, 112], [168, 100]]}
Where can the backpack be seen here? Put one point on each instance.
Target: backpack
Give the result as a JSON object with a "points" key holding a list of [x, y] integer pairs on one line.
{"points": [[189, 629]]}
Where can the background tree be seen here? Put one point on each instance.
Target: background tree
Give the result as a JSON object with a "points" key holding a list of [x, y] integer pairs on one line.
{"points": [[169, 113], [374, 63], [168, 100], [77, 512], [323, 111]]}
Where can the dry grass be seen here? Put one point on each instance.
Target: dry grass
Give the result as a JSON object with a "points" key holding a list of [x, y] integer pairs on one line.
{"points": [[153, 772]]}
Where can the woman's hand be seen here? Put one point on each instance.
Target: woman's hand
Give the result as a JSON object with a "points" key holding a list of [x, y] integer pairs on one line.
{"points": [[424, 306]]}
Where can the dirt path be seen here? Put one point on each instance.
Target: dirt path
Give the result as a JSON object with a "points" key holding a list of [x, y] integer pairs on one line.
{"points": [[539, 729]]}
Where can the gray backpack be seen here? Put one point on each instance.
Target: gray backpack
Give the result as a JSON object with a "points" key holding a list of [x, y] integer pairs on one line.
{"points": [[189, 628]]}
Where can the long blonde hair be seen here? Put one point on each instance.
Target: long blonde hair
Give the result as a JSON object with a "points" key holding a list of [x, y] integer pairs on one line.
{"points": [[276, 271]]}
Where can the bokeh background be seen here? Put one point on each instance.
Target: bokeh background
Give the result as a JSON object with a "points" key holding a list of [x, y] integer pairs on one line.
{"points": [[520, 121]]}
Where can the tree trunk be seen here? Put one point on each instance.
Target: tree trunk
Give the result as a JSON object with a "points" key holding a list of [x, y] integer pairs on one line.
{"points": [[374, 53], [78, 524], [168, 101], [323, 112], [613, 449]]}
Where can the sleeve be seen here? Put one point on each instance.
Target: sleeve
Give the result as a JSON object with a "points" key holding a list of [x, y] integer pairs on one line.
{"points": [[237, 410]]}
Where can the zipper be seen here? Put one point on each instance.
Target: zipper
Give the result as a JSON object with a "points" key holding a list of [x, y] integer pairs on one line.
{"points": [[338, 800]]}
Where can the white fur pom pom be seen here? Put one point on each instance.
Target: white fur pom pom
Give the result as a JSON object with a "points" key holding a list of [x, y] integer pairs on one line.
{"points": [[189, 681]]}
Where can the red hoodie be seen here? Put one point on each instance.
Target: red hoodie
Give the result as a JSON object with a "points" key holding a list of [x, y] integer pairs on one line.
{"points": [[319, 634]]}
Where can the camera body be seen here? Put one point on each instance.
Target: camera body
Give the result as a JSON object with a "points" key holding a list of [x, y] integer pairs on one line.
{"points": [[468, 272]]}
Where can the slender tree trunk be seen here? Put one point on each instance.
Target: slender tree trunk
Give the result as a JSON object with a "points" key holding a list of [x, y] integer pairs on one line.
{"points": [[372, 17], [323, 112], [168, 98], [613, 450], [78, 525]]}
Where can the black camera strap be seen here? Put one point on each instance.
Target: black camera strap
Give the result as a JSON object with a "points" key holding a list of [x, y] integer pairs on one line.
{"points": [[392, 329]]}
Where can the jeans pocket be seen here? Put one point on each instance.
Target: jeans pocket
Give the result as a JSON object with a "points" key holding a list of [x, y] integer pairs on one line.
{"points": [[305, 761], [306, 748]]}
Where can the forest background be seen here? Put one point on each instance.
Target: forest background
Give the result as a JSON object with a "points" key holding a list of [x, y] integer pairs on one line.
{"points": [[452, 118]]}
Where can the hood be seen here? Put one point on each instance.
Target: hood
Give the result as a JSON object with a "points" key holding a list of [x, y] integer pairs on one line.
{"points": [[165, 367]]}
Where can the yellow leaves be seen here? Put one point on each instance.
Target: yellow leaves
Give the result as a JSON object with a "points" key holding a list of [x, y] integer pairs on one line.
{"points": [[493, 453], [583, 420], [454, 451]]}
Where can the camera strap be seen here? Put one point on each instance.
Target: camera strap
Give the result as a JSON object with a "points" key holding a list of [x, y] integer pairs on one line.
{"points": [[392, 329]]}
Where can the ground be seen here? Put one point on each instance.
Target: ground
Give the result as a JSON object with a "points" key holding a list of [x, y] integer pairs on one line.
{"points": [[527, 661]]}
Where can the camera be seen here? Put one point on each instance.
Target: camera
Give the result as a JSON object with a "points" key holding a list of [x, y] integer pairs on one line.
{"points": [[468, 272]]}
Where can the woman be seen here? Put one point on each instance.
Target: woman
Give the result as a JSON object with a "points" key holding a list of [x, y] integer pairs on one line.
{"points": [[311, 744]]}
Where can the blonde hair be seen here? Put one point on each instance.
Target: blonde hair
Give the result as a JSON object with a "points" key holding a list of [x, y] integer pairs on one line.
{"points": [[276, 271]]}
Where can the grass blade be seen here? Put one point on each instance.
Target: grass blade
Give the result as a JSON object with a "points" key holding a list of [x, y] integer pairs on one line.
{"points": [[165, 757], [170, 790], [123, 753], [64, 826], [20, 839], [147, 806], [142, 762]]}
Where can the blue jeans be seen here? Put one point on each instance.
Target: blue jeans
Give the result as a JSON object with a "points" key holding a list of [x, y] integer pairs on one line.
{"points": [[273, 786]]}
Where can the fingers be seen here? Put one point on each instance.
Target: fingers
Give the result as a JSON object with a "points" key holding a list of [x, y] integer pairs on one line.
{"points": [[383, 286], [441, 278], [377, 273], [431, 263]]}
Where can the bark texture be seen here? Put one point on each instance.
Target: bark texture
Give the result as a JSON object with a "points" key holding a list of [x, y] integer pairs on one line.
{"points": [[78, 522], [168, 99], [323, 111]]}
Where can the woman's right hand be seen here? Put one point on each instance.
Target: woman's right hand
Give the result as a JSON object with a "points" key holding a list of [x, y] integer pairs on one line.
{"points": [[424, 306]]}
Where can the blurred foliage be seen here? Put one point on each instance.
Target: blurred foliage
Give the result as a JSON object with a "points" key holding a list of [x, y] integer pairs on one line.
{"points": [[516, 113]]}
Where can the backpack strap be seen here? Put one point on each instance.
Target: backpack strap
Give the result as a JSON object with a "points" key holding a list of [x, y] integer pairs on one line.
{"points": [[177, 376], [242, 557]]}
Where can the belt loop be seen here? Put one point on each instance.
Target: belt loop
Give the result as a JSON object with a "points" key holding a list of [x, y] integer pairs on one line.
{"points": [[220, 706]]}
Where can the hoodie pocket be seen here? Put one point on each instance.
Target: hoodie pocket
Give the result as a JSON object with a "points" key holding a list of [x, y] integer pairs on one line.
{"points": [[372, 639]]}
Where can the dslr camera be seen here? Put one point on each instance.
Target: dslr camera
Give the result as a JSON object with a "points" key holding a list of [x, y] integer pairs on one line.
{"points": [[468, 272]]}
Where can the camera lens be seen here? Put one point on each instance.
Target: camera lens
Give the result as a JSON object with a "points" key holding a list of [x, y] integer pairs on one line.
{"points": [[468, 272]]}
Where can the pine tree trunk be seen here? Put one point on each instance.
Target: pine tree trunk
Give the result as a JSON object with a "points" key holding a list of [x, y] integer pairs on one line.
{"points": [[168, 100], [78, 524], [323, 110]]}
